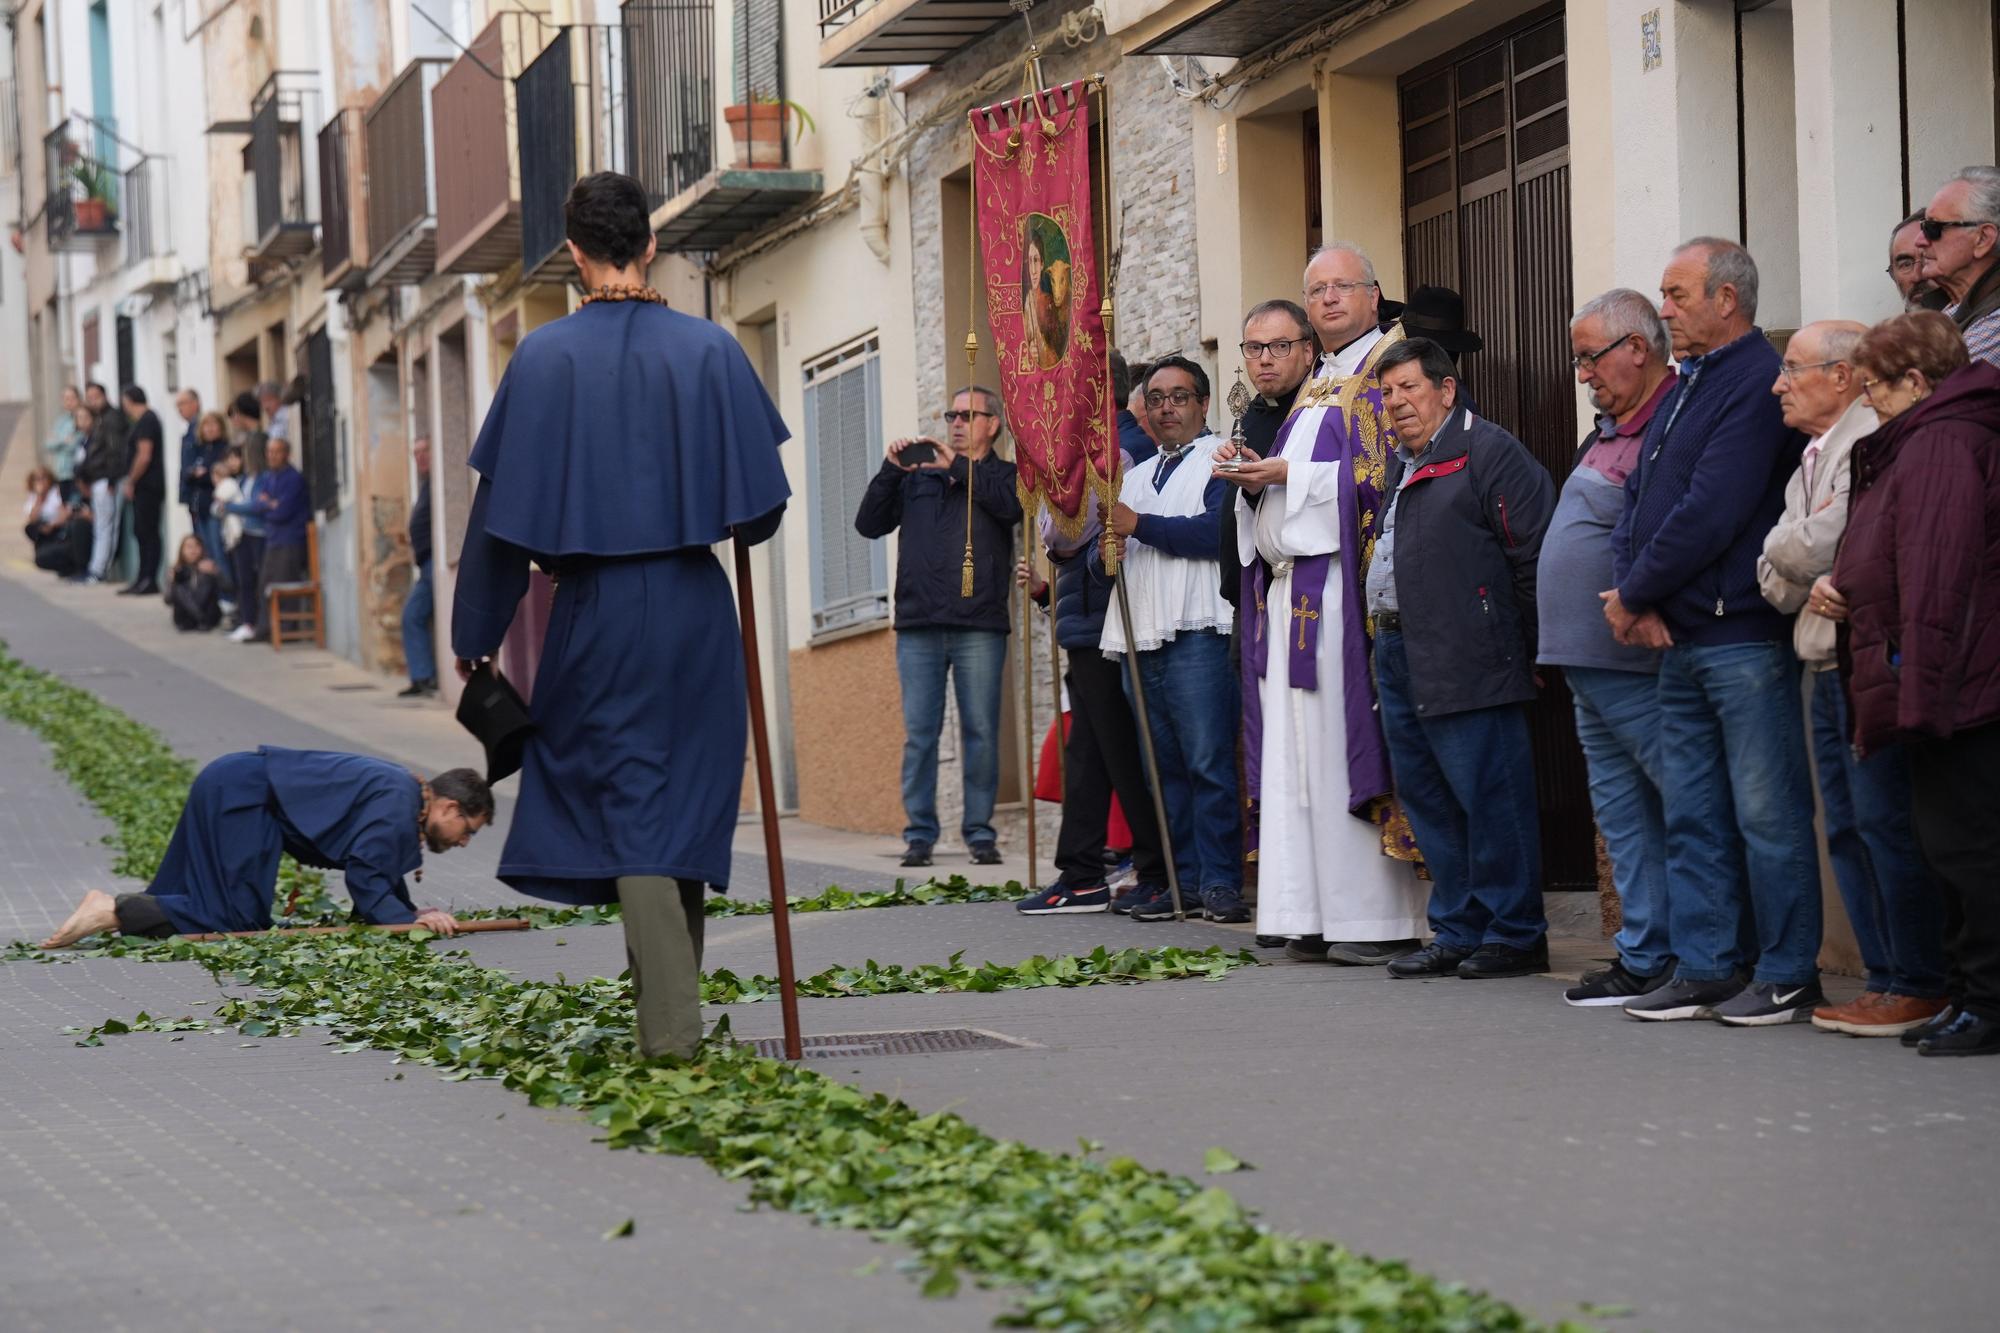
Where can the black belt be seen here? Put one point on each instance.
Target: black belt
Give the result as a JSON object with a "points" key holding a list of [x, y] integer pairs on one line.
{"points": [[1388, 620]]}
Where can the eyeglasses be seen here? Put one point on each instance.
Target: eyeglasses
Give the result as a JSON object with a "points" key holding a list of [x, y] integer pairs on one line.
{"points": [[1790, 373], [1934, 228], [1319, 289], [1868, 388], [957, 415], [1179, 398], [1590, 358], [1280, 347], [1901, 264]]}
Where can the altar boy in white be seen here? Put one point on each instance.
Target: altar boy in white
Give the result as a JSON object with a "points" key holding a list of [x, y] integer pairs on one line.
{"points": [[1166, 530], [1333, 855]]}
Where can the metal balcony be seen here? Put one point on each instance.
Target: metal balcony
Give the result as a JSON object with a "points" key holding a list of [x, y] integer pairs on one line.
{"points": [[282, 163], [903, 32], [571, 105], [478, 155], [343, 245], [82, 205], [402, 199], [149, 238]]}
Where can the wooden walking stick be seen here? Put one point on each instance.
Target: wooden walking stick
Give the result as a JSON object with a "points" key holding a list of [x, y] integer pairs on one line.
{"points": [[464, 928], [767, 803]]}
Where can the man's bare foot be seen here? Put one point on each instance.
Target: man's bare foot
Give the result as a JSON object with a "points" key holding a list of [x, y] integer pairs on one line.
{"points": [[96, 913]]}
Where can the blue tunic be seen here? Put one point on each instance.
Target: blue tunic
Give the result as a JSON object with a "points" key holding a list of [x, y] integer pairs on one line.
{"points": [[625, 441], [332, 811]]}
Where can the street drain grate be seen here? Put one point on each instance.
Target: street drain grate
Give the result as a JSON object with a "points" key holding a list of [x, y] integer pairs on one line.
{"points": [[351, 689], [931, 1041]]}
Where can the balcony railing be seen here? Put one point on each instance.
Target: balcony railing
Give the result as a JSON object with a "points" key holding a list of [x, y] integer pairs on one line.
{"points": [[671, 92], [281, 162], [343, 246], [149, 237], [903, 32], [402, 203], [478, 160], [572, 109], [82, 206]]}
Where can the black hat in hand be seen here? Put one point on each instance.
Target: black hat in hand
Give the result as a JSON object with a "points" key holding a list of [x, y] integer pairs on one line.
{"points": [[493, 712]]}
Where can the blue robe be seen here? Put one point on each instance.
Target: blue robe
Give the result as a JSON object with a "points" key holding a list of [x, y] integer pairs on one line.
{"points": [[333, 811], [625, 440]]}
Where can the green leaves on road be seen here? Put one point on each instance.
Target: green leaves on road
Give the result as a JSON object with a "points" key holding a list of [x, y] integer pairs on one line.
{"points": [[1100, 967]]}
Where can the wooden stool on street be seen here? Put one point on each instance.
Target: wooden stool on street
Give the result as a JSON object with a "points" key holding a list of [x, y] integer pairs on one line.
{"points": [[308, 620]]}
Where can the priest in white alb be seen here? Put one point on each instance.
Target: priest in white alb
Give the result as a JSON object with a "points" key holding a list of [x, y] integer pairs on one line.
{"points": [[1335, 858]]}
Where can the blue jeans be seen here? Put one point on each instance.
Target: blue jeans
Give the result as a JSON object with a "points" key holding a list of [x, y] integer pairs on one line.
{"points": [[974, 658], [419, 650], [1193, 709], [1618, 722], [1896, 909], [1741, 858], [1467, 782], [209, 528]]}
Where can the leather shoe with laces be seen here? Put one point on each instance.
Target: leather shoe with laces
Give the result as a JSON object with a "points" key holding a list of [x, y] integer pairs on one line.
{"points": [[1504, 960], [1433, 960]]}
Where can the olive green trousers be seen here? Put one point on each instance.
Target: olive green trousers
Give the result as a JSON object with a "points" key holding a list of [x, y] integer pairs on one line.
{"points": [[663, 930]]}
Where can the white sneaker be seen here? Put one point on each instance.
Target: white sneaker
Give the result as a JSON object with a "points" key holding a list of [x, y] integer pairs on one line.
{"points": [[241, 634]]}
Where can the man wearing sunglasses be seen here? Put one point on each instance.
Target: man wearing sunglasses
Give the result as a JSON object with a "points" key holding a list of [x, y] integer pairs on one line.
{"points": [[1959, 238], [954, 505], [1906, 267]]}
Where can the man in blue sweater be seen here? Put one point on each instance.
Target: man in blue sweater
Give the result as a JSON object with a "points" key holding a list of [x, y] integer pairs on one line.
{"points": [[285, 502], [1742, 870]]}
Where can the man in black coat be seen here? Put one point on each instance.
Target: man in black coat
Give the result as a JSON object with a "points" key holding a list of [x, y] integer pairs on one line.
{"points": [[1451, 590], [145, 489]]}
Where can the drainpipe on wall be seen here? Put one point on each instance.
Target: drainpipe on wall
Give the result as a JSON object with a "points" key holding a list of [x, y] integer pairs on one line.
{"points": [[872, 180]]}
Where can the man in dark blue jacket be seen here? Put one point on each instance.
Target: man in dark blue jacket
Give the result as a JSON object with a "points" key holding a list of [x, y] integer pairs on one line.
{"points": [[1451, 590], [956, 510], [286, 505], [1708, 486]]}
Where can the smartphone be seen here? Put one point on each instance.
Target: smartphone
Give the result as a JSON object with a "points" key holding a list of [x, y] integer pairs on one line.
{"points": [[918, 452]]}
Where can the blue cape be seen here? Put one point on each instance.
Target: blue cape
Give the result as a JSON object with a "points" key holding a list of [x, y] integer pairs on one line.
{"points": [[628, 428]]}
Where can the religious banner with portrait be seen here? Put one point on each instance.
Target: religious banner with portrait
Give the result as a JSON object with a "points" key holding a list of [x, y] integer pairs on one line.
{"points": [[1032, 191]]}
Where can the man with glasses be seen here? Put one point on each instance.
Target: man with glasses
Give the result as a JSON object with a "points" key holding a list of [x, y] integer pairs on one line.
{"points": [[1895, 909], [1620, 351], [1163, 534], [1318, 772], [1959, 238], [1742, 869], [954, 504], [1906, 267], [1278, 350]]}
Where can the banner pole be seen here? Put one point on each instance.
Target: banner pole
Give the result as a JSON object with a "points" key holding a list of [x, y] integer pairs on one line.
{"points": [[1028, 699], [1146, 745]]}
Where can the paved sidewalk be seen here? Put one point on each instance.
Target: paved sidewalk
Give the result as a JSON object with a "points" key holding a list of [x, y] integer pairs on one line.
{"points": [[1707, 1178]]}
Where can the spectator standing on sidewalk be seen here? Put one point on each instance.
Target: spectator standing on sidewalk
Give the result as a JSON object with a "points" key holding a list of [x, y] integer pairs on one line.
{"points": [[285, 503], [1621, 353], [276, 407], [246, 432], [202, 447], [419, 650], [956, 513], [145, 489], [63, 449], [100, 474], [229, 509]]}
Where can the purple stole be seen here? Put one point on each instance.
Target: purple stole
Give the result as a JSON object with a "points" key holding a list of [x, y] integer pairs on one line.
{"points": [[1354, 433]]}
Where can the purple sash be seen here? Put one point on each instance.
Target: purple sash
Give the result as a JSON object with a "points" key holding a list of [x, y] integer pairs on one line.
{"points": [[1359, 441]]}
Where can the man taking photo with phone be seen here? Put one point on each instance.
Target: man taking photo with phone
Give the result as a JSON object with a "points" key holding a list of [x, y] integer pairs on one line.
{"points": [[954, 503]]}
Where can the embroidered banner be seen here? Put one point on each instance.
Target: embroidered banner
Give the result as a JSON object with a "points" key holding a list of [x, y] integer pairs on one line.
{"points": [[1032, 193]]}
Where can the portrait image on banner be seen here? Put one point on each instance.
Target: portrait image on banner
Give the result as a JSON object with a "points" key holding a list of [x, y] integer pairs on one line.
{"points": [[1032, 188]]}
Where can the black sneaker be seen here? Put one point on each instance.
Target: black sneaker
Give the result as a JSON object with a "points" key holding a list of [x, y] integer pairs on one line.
{"points": [[1685, 999], [1161, 907], [917, 854], [1930, 1029], [1492, 961], [419, 689], [1062, 898], [1367, 953], [1967, 1034], [1135, 896], [1616, 984], [1273, 941], [1225, 905], [1435, 959], [985, 854], [1765, 1004], [1308, 949]]}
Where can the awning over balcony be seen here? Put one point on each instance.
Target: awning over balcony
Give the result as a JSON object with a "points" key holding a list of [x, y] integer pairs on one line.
{"points": [[724, 206], [1242, 28], [903, 32]]}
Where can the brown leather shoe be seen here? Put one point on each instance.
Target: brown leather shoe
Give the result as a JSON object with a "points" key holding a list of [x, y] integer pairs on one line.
{"points": [[1875, 1014]]}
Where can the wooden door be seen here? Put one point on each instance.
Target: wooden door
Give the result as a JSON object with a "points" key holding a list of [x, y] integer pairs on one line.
{"points": [[1486, 213]]}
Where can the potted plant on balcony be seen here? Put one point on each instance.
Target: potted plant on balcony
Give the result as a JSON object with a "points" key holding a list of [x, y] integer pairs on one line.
{"points": [[759, 127], [93, 209]]}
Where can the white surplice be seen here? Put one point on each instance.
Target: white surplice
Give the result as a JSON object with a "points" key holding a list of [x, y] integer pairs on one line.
{"points": [[1320, 870]]}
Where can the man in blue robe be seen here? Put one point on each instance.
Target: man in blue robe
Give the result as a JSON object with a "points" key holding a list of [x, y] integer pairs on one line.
{"points": [[624, 441], [366, 817]]}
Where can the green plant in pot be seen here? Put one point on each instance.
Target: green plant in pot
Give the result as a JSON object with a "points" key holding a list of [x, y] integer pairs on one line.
{"points": [[759, 127], [94, 210]]}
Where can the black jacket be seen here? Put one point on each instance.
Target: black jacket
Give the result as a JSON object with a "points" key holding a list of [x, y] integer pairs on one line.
{"points": [[420, 522], [104, 458], [1261, 424], [929, 507], [1468, 533]]}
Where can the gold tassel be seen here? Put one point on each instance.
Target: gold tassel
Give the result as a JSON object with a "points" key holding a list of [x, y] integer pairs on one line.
{"points": [[965, 575]]}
